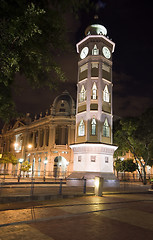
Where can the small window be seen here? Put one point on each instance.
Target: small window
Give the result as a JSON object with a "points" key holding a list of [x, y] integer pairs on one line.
{"points": [[79, 158], [106, 94], [106, 129], [94, 91], [106, 68], [84, 68], [82, 94], [95, 50], [81, 130], [93, 127], [106, 160], [94, 65], [62, 104], [93, 158]]}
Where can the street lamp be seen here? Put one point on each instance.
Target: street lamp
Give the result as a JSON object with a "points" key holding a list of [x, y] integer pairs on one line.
{"points": [[20, 161], [45, 163], [29, 146]]}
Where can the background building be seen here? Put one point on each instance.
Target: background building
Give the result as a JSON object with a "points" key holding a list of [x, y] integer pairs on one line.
{"points": [[45, 141]]}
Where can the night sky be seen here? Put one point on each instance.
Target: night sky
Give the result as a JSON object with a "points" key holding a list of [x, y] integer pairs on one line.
{"points": [[129, 24]]}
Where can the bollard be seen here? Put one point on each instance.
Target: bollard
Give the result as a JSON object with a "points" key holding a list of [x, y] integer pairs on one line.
{"points": [[84, 186], [60, 188], [19, 178], [99, 186]]}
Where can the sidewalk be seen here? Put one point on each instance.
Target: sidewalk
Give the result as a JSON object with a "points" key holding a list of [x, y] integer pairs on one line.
{"points": [[111, 217]]}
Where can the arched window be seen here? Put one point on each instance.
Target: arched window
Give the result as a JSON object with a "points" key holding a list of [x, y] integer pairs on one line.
{"points": [[93, 126], [95, 50], [94, 91], [81, 130], [106, 128], [82, 94], [106, 94]]}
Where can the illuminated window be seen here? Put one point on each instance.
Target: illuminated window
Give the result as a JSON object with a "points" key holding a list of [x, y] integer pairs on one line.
{"points": [[106, 68], [94, 91], [81, 130], [106, 129], [93, 158], [106, 94], [95, 50], [18, 143], [93, 126], [82, 94], [84, 68], [79, 158], [106, 159], [94, 65]]}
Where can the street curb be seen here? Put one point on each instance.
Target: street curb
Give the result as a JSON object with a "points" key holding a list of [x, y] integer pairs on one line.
{"points": [[39, 197]]}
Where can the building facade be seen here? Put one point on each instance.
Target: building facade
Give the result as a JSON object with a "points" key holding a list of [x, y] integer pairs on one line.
{"points": [[44, 142]]}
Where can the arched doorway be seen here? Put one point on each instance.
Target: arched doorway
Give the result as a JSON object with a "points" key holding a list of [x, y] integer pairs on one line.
{"points": [[60, 167]]}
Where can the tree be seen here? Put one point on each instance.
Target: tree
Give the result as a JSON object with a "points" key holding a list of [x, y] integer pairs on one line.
{"points": [[25, 167], [129, 166], [136, 134], [125, 165], [6, 158], [118, 166], [32, 34]]}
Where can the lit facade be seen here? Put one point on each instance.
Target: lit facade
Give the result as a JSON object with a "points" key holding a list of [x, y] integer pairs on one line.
{"points": [[93, 148], [44, 142]]}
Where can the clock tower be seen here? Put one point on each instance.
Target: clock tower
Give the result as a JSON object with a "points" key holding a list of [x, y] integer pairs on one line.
{"points": [[93, 149]]}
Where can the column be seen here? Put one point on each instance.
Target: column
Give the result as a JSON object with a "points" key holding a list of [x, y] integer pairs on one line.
{"points": [[44, 138], [33, 139]]}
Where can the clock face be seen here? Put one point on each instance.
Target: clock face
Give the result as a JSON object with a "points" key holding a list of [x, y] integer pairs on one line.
{"points": [[106, 52], [84, 52]]}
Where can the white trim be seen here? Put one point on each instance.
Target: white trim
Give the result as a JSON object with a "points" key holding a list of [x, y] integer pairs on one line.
{"points": [[95, 36], [94, 144]]}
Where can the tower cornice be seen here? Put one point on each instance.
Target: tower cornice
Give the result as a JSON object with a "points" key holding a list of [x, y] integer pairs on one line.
{"points": [[95, 36]]}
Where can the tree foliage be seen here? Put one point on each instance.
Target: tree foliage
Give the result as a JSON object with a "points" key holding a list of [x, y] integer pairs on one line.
{"points": [[25, 166], [125, 165], [136, 134], [8, 157], [32, 34]]}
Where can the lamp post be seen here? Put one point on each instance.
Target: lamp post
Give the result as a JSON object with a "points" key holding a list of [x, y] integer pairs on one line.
{"points": [[45, 163], [20, 161]]}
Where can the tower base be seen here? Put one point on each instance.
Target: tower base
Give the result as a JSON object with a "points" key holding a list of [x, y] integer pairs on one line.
{"points": [[76, 179], [93, 160]]}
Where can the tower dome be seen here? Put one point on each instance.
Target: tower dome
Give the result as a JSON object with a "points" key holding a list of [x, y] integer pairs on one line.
{"points": [[96, 29]]}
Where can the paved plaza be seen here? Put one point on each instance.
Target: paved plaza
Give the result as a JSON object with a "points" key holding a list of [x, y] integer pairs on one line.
{"points": [[111, 217]]}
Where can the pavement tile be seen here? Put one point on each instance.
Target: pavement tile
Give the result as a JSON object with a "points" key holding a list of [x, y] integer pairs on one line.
{"points": [[22, 232]]}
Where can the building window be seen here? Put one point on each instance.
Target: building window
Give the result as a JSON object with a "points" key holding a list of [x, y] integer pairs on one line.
{"points": [[18, 143], [95, 50], [106, 68], [82, 94], [94, 69], [84, 68], [81, 130], [94, 91], [106, 159], [106, 129], [106, 94], [79, 158], [93, 126], [93, 158]]}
